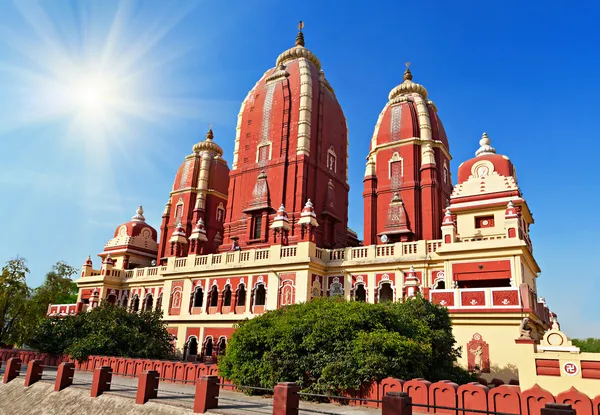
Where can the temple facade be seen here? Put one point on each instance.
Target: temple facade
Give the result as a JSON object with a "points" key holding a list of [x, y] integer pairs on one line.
{"points": [[272, 230]]}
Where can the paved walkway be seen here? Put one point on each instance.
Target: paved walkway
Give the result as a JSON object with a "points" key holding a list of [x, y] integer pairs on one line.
{"points": [[182, 396]]}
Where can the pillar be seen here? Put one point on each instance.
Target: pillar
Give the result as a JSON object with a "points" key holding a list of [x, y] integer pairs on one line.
{"points": [[64, 376], [396, 403], [147, 387], [286, 400], [101, 381], [207, 394], [34, 372], [12, 369]]}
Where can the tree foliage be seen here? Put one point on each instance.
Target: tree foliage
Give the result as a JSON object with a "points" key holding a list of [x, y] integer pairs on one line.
{"points": [[108, 331], [589, 345], [331, 345], [14, 297]]}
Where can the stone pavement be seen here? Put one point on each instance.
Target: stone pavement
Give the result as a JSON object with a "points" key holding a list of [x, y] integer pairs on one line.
{"points": [[181, 397]]}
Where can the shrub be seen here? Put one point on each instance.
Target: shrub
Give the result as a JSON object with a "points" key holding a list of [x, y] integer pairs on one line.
{"points": [[330, 345], [108, 331]]}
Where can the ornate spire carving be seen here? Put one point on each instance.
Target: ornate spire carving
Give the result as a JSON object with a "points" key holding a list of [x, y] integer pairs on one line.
{"points": [[300, 37], [485, 147], [139, 215]]}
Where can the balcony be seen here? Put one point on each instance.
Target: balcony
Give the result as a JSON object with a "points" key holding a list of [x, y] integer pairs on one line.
{"points": [[477, 298]]}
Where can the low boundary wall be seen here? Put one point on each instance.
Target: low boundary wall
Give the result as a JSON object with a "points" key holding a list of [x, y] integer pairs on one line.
{"points": [[508, 399]]}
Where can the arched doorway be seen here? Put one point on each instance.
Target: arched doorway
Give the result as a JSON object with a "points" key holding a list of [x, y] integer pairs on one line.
{"points": [[111, 299], [386, 293], [135, 305], [192, 349], [241, 296], [214, 296], [198, 299], [208, 348], [260, 295], [360, 294], [227, 296], [148, 302], [222, 345], [159, 303]]}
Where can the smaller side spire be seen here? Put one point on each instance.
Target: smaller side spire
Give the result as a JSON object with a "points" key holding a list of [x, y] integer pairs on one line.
{"points": [[300, 37], [485, 147], [139, 215]]}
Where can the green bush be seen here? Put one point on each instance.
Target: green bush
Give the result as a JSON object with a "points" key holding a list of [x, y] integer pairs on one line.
{"points": [[331, 345], [589, 345], [106, 331]]}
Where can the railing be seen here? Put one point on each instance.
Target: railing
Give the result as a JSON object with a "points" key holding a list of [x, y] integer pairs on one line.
{"points": [[359, 253], [261, 254], [288, 251], [385, 250], [337, 254], [470, 298], [180, 262]]}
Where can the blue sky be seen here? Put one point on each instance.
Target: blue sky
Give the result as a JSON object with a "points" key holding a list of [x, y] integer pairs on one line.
{"points": [[525, 72]]}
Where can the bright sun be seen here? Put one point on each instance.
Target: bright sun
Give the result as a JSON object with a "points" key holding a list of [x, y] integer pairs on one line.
{"points": [[92, 94]]}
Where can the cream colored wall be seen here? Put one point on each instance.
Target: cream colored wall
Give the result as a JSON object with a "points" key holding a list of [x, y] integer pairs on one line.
{"points": [[526, 356], [500, 335], [465, 223]]}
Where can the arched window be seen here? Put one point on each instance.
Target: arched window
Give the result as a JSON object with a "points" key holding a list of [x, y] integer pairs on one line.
{"points": [[198, 297], [111, 299], [227, 296], [135, 305], [176, 298], [208, 347], [386, 293], [360, 293], [241, 296], [439, 285], [331, 160], [260, 294], [148, 303], [192, 348], [222, 345], [159, 302], [214, 296], [124, 301]]}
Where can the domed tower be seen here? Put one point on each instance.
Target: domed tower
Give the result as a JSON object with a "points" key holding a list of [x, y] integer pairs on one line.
{"points": [[133, 245], [486, 202], [407, 181], [291, 145], [198, 200]]}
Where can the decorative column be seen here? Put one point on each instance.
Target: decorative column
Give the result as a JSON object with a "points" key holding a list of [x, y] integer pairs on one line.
{"points": [[511, 221], [198, 238], [308, 222], [281, 226], [429, 194], [448, 228], [370, 203], [412, 283], [178, 241]]}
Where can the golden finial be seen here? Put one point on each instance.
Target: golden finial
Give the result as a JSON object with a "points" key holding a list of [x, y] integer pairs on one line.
{"points": [[300, 37], [407, 74], [209, 134]]}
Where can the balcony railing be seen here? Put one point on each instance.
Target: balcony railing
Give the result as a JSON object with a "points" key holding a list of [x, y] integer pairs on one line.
{"points": [[475, 298]]}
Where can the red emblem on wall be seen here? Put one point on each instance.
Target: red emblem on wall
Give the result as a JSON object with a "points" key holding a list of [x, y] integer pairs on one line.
{"points": [[478, 353]]}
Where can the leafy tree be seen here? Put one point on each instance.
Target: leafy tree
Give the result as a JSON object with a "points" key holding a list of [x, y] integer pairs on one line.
{"points": [[14, 295], [106, 330], [589, 345], [331, 345]]}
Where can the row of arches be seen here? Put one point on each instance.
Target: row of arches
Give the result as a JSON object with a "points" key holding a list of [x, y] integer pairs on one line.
{"points": [[209, 349], [215, 299], [136, 303]]}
